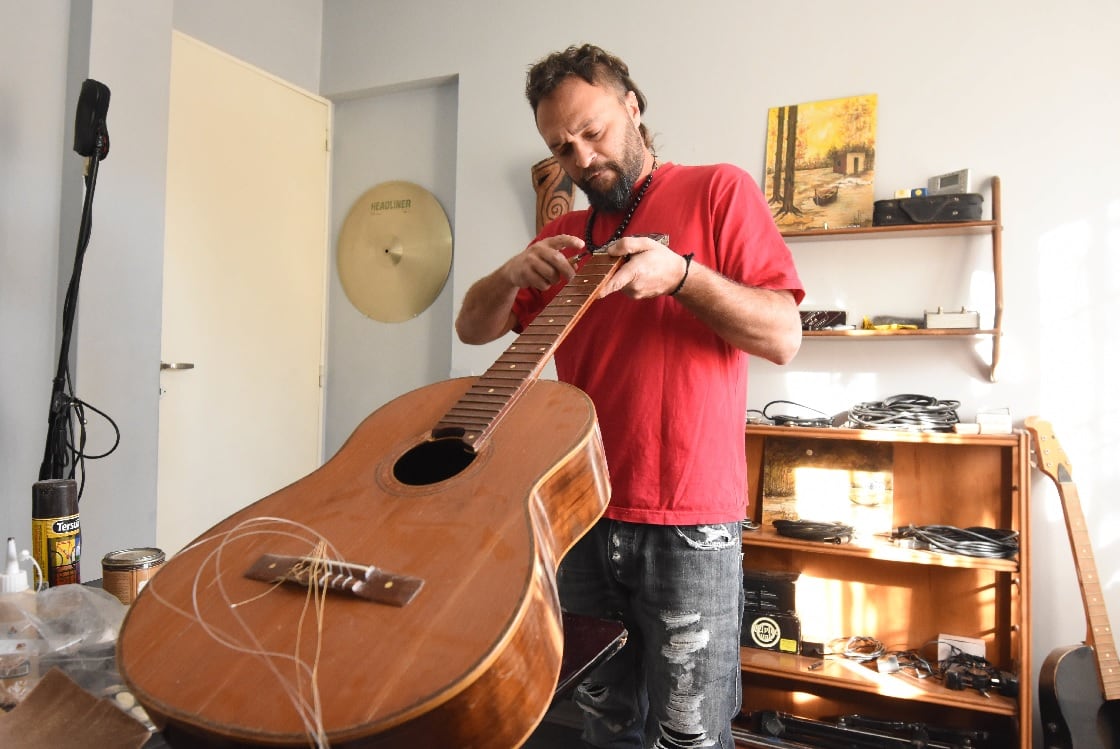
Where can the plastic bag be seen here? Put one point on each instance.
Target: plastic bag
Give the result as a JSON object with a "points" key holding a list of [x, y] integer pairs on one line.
{"points": [[73, 627]]}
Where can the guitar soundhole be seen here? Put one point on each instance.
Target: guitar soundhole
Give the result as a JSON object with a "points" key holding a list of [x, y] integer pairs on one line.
{"points": [[433, 461]]}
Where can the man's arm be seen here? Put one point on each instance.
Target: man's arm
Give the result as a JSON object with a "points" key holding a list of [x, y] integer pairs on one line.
{"points": [[487, 311], [761, 322]]}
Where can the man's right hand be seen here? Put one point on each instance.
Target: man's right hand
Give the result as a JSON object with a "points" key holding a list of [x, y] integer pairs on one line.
{"points": [[487, 311], [542, 264]]}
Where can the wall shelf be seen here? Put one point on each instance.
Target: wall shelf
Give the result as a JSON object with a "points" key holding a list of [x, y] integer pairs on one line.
{"points": [[872, 587], [992, 228]]}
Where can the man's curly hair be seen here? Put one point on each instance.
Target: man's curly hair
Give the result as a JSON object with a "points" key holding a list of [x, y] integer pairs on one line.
{"points": [[594, 65]]}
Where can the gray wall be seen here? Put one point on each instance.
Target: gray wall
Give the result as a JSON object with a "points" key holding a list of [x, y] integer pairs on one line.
{"points": [[1019, 90], [47, 50], [396, 134]]}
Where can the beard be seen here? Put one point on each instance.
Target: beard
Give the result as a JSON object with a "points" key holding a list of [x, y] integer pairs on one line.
{"points": [[616, 195]]}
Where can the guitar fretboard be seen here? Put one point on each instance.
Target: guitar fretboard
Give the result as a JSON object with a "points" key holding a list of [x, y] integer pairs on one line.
{"points": [[1099, 634], [1053, 462], [475, 416]]}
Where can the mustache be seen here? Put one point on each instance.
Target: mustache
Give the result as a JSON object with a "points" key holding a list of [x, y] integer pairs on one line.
{"points": [[614, 197], [585, 179]]}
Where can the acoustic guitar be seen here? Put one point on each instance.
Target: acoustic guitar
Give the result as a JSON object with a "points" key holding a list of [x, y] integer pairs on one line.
{"points": [[1079, 685], [402, 595]]}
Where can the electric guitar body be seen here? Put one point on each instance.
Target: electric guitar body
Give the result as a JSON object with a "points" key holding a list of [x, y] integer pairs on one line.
{"points": [[1074, 714], [401, 596], [1079, 686]]}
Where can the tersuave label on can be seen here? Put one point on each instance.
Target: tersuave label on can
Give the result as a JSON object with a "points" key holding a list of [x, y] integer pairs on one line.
{"points": [[125, 572], [57, 544], [56, 532]]}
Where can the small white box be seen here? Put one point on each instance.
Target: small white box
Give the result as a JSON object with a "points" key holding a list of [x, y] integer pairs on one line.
{"points": [[994, 422], [962, 319], [970, 645]]}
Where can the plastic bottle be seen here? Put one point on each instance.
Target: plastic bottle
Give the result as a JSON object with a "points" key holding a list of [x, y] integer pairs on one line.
{"points": [[19, 651]]}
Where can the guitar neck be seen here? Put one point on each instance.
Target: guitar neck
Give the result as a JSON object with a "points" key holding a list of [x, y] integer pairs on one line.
{"points": [[1052, 460], [481, 408], [1099, 632]]}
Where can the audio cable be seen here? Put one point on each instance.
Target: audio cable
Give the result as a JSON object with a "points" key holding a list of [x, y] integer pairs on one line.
{"points": [[976, 541], [820, 419], [907, 411], [809, 530]]}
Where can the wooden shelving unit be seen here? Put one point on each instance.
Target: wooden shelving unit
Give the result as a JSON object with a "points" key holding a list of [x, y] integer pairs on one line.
{"points": [[904, 597], [992, 228]]}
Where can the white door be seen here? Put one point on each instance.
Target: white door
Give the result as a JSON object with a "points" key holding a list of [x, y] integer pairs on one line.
{"points": [[243, 290]]}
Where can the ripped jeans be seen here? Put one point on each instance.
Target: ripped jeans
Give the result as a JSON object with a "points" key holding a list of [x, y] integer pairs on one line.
{"points": [[679, 591]]}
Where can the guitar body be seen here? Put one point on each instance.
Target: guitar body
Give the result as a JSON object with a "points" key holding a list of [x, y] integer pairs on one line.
{"points": [[471, 660], [1074, 716]]}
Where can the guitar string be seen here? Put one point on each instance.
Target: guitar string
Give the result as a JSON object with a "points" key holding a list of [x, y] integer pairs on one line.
{"points": [[308, 708]]}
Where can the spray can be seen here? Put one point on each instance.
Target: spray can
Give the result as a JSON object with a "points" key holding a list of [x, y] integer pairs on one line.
{"points": [[56, 533]]}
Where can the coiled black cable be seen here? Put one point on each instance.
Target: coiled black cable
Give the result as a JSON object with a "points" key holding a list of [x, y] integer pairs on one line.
{"points": [[809, 530], [907, 411], [989, 543]]}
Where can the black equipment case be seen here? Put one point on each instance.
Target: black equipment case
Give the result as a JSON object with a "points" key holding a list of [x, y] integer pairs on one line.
{"points": [[928, 209]]}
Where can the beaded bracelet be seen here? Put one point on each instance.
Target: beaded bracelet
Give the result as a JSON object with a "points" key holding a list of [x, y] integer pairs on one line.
{"points": [[687, 265]]}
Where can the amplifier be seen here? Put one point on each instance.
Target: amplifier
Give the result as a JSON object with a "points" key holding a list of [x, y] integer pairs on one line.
{"points": [[769, 592], [771, 631]]}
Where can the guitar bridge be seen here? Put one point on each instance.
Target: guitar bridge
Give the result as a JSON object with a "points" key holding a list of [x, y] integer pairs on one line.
{"points": [[363, 581]]}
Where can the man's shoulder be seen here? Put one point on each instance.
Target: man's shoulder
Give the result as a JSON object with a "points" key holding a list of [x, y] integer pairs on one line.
{"points": [[572, 222], [718, 173], [718, 168], [720, 181]]}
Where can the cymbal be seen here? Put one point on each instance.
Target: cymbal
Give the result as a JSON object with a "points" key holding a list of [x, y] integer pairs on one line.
{"points": [[394, 251]]}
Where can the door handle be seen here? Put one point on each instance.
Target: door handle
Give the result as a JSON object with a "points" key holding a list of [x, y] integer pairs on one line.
{"points": [[175, 365]]}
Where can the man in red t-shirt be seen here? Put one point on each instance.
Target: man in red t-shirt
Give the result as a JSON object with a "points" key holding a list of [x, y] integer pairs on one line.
{"points": [[663, 356]]}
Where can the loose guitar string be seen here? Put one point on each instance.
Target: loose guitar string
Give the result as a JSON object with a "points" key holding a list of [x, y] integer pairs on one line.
{"points": [[309, 711], [315, 593], [310, 714]]}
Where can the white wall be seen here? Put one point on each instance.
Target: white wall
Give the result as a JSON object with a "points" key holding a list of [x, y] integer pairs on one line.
{"points": [[32, 133], [1019, 90], [47, 49]]}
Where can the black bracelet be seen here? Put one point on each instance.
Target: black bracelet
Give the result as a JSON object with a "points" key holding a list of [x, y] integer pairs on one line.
{"points": [[687, 265]]}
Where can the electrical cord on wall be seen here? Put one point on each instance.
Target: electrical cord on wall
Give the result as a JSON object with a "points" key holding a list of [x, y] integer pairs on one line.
{"points": [[820, 419], [65, 447]]}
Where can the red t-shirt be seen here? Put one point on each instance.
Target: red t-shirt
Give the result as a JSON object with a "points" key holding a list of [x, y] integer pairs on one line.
{"points": [[670, 394]]}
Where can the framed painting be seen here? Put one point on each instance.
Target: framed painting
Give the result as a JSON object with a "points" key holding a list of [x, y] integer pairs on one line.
{"points": [[820, 163]]}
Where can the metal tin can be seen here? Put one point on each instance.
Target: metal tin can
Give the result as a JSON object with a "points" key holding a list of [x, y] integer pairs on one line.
{"points": [[125, 572]]}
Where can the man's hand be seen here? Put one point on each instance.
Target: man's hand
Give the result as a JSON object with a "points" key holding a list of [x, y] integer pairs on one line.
{"points": [[541, 265], [651, 268], [487, 312]]}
